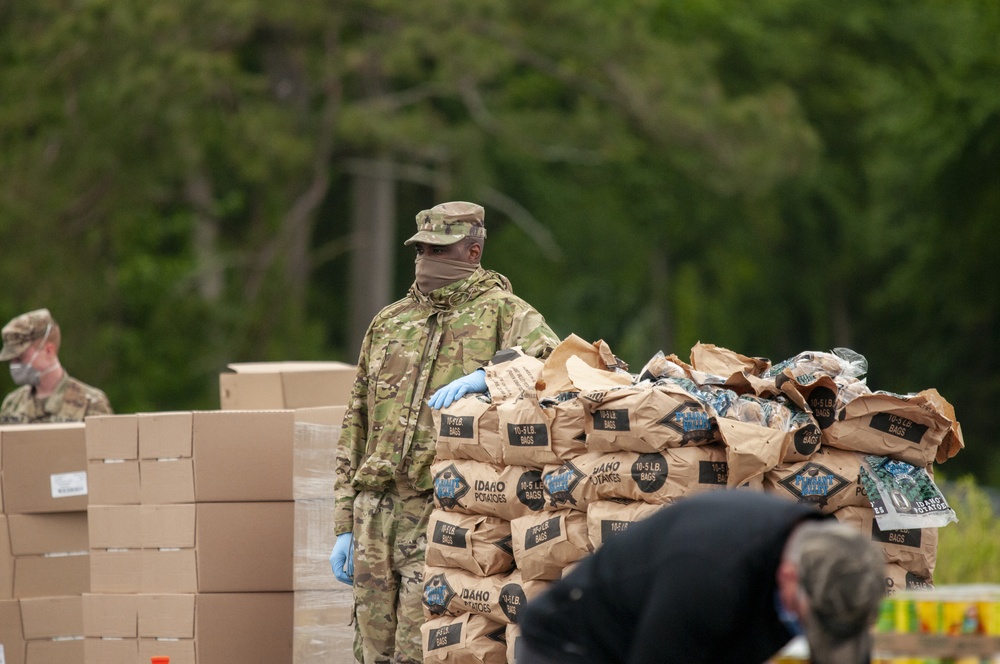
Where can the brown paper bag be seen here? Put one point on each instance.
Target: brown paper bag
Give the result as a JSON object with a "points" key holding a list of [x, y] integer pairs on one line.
{"points": [[897, 580], [451, 591], [475, 543], [472, 487], [566, 419], [654, 477], [720, 361], [751, 450], [907, 428], [545, 543], [468, 429], [466, 639], [536, 434], [510, 374], [555, 375], [524, 432], [814, 393], [513, 634], [915, 550], [830, 479], [516, 591], [609, 518], [647, 417], [953, 441], [754, 449]]}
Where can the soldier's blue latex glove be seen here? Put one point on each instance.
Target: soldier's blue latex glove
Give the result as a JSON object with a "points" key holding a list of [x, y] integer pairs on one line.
{"points": [[458, 388], [342, 558]]}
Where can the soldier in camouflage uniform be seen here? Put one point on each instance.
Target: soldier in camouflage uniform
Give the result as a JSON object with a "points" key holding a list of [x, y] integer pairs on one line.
{"points": [[46, 393], [453, 319]]}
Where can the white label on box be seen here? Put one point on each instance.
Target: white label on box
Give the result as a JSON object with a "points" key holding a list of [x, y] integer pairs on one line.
{"points": [[67, 485], [3, 660]]}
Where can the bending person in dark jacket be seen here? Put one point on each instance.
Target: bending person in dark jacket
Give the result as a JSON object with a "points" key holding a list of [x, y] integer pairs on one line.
{"points": [[728, 576]]}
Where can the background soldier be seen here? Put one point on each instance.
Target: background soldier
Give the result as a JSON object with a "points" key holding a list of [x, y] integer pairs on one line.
{"points": [[46, 393], [453, 319]]}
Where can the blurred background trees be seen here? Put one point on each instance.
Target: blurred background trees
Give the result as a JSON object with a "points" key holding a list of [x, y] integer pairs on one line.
{"points": [[187, 184]]}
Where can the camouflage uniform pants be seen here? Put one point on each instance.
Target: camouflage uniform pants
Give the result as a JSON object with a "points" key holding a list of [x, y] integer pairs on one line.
{"points": [[390, 540]]}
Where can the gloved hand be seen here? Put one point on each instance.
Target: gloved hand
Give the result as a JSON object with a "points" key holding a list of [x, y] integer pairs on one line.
{"points": [[474, 382], [342, 558]]}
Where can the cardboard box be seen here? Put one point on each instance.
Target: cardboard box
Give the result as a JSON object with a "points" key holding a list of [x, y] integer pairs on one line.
{"points": [[170, 570], [110, 616], [44, 467], [198, 629], [50, 554], [111, 651], [113, 459], [317, 434], [52, 617], [214, 456], [115, 570], [11, 636], [112, 437], [244, 628], [60, 651], [165, 435], [141, 526], [274, 385], [113, 482], [6, 562], [41, 534], [166, 616], [245, 547], [51, 576], [203, 547], [114, 526], [243, 455], [166, 481]]}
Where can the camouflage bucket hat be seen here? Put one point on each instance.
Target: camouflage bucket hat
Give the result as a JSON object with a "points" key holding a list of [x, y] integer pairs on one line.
{"points": [[448, 223], [19, 333], [841, 573]]}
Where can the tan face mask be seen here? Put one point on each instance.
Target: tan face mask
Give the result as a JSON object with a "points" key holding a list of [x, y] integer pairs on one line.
{"points": [[434, 273]]}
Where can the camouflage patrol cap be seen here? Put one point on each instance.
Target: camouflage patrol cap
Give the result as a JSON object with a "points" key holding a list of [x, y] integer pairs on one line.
{"points": [[841, 572], [19, 333], [448, 223]]}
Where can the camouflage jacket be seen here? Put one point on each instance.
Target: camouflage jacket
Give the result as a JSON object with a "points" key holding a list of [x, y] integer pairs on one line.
{"points": [[413, 347], [71, 402]]}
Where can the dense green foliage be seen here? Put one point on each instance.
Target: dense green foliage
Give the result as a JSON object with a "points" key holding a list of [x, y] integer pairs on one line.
{"points": [[771, 177], [969, 551]]}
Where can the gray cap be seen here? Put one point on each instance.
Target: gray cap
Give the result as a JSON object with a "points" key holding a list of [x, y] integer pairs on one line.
{"points": [[841, 573], [448, 223], [19, 333]]}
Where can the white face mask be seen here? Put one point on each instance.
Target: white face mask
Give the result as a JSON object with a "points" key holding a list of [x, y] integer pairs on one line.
{"points": [[23, 373]]}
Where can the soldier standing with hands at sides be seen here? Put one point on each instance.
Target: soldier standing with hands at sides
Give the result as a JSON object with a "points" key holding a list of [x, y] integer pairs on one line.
{"points": [[430, 344], [46, 393]]}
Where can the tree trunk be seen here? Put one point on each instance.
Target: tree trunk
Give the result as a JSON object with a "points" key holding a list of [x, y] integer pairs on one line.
{"points": [[373, 240]]}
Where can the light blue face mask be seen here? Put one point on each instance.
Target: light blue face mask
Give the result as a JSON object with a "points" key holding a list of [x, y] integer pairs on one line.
{"points": [[22, 373], [787, 618]]}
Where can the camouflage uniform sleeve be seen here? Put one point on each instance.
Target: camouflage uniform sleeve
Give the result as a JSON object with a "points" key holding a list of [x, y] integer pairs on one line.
{"points": [[98, 403], [9, 411], [529, 330], [352, 445]]}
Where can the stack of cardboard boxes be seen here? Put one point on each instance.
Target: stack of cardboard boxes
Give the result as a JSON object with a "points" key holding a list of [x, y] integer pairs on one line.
{"points": [[44, 562], [206, 526], [203, 536]]}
